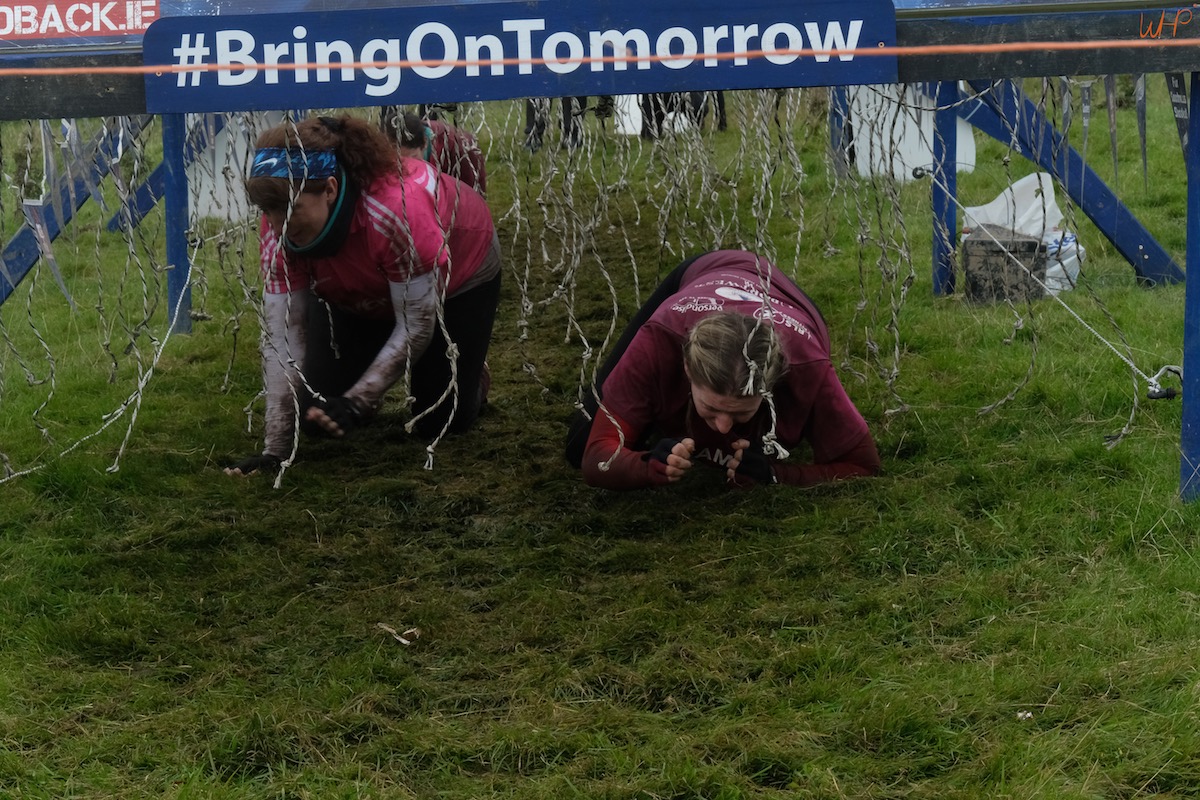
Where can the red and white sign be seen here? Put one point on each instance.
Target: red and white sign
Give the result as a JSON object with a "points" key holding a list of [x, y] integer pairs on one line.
{"points": [[39, 19]]}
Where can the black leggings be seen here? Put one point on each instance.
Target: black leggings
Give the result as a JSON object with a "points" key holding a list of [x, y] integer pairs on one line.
{"points": [[341, 346], [581, 422]]}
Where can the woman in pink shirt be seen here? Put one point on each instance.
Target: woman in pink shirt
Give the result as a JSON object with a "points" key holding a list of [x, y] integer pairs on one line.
{"points": [[373, 267]]}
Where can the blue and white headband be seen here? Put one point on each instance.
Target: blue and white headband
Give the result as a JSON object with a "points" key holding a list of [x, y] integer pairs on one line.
{"points": [[281, 162]]}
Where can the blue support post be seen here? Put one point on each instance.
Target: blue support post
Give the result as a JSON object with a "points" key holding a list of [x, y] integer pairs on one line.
{"points": [[175, 198], [945, 186], [839, 129], [1189, 437]]}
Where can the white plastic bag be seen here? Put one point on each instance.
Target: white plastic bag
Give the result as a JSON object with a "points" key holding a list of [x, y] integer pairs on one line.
{"points": [[1063, 257], [1026, 207]]}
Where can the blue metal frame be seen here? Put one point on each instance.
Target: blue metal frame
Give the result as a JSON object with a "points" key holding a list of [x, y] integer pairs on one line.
{"points": [[1039, 141], [1043, 144], [1189, 438], [175, 204], [945, 187], [839, 133], [73, 189], [143, 200]]}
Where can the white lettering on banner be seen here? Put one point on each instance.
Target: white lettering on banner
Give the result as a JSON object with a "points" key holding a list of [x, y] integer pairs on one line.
{"points": [[770, 39], [299, 32], [271, 55], [42, 20], [193, 55], [574, 53], [635, 41], [415, 42], [833, 40], [712, 42], [382, 50], [524, 29], [101, 19], [334, 52], [51, 22], [743, 35], [663, 47], [476, 46], [434, 50]]}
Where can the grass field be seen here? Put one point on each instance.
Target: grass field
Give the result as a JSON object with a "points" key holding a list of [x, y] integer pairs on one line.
{"points": [[1010, 611]]}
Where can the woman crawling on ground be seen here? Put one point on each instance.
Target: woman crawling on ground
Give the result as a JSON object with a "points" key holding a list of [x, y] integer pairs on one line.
{"points": [[727, 363]]}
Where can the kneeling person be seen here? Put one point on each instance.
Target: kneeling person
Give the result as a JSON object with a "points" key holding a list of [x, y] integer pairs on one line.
{"points": [[374, 266]]}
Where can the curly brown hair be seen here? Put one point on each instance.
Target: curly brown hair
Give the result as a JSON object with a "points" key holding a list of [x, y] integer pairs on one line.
{"points": [[362, 151]]}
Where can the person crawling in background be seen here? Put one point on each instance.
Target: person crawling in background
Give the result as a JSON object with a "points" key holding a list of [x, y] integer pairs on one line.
{"points": [[452, 150], [373, 266], [728, 363]]}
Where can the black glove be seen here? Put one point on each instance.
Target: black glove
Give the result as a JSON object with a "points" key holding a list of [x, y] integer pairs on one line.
{"points": [[341, 410], [756, 467], [606, 106], [264, 463], [661, 450]]}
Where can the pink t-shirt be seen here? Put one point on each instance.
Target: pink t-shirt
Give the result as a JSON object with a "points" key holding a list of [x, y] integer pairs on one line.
{"points": [[648, 388], [401, 228]]}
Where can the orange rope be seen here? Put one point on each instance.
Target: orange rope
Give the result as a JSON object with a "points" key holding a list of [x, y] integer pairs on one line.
{"points": [[881, 50]]}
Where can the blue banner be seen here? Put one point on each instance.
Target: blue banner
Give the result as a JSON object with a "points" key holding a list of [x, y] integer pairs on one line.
{"points": [[512, 48]]}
